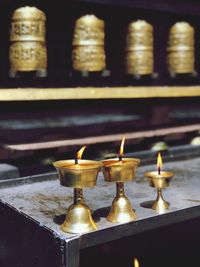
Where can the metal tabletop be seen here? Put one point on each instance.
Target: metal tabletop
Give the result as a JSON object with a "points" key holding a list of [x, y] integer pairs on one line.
{"points": [[45, 201]]}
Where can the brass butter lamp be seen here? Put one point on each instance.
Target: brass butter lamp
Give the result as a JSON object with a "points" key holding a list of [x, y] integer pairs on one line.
{"points": [[120, 170], [78, 174], [159, 179]]}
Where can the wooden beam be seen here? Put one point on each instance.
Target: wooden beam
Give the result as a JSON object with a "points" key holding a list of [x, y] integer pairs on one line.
{"points": [[103, 139]]}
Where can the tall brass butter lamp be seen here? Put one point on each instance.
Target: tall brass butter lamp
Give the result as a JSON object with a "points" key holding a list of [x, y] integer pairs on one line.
{"points": [[78, 173], [120, 170]]}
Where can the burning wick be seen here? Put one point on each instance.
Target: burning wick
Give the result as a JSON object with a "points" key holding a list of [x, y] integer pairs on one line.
{"points": [[79, 154], [121, 150], [136, 263], [159, 163]]}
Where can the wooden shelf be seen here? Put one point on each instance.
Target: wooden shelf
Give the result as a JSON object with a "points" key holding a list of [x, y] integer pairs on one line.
{"points": [[35, 94]]}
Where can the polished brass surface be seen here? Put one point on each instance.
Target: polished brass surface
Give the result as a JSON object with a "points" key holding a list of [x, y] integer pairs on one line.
{"points": [[160, 204], [180, 50], [78, 219], [121, 210], [139, 48], [89, 30], [80, 175], [88, 58], [120, 171], [27, 40], [27, 12], [159, 181], [28, 24], [88, 44], [28, 56], [35, 94]]}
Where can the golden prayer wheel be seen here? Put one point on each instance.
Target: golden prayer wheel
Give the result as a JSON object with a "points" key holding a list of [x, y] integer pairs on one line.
{"points": [[180, 50], [88, 52], [27, 40], [139, 49]]}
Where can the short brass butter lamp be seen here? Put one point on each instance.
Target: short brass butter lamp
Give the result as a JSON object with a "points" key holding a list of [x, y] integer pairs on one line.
{"points": [[78, 174], [120, 170], [159, 179]]}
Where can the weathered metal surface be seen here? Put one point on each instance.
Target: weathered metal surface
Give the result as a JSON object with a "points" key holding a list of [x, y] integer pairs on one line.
{"points": [[45, 202]]}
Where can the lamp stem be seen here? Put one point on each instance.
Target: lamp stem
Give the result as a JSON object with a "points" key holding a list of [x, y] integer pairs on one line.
{"points": [[160, 204], [78, 196], [120, 189], [159, 194]]}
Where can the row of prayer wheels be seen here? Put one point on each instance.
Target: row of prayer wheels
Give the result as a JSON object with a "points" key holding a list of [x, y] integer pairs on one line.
{"points": [[28, 45]]}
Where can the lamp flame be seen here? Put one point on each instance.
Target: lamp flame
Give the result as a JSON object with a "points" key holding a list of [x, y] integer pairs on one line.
{"points": [[159, 163], [121, 150], [79, 154], [136, 263]]}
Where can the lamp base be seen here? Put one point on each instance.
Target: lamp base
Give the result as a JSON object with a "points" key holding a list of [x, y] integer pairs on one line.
{"points": [[78, 220], [121, 211], [160, 204]]}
